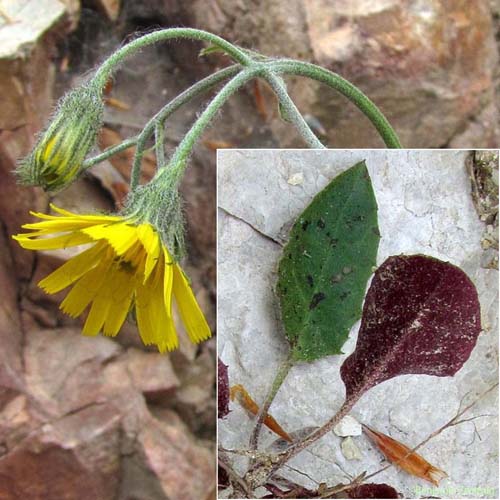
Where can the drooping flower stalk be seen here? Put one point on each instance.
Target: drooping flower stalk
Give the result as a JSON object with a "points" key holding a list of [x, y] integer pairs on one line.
{"points": [[58, 160]]}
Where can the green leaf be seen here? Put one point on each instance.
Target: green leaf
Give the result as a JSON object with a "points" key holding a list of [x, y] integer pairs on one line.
{"points": [[326, 264]]}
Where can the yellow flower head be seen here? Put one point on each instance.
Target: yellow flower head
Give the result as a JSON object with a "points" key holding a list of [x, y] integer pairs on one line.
{"points": [[58, 156], [124, 266]]}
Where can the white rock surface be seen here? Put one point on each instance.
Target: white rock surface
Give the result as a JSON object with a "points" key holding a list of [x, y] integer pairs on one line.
{"points": [[23, 22], [348, 426], [424, 206], [350, 449]]}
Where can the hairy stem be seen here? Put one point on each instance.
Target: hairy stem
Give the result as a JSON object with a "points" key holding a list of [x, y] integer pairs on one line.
{"points": [[106, 69], [371, 111], [179, 158], [283, 371], [159, 118], [107, 153], [318, 433], [160, 144], [256, 477], [293, 114]]}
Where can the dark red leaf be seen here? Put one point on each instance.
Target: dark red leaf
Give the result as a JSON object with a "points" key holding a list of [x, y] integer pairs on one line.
{"points": [[222, 478], [373, 491], [223, 390], [420, 316]]}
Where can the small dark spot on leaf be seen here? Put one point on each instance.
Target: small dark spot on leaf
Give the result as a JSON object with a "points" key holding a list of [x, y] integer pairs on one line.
{"points": [[333, 242], [344, 295], [375, 231], [317, 298], [289, 255], [321, 224], [305, 224], [310, 280], [336, 278]]}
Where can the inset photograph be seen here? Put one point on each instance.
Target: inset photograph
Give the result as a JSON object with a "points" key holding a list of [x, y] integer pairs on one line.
{"points": [[357, 323]]}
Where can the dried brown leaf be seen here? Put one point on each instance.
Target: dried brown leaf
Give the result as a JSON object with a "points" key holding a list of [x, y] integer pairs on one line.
{"points": [[239, 393], [216, 144], [402, 456], [116, 103]]}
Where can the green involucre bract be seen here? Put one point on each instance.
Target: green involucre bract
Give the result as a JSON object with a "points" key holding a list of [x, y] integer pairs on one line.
{"points": [[57, 158]]}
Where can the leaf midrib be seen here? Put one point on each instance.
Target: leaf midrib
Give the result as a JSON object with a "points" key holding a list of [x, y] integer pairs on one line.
{"points": [[307, 317], [378, 366]]}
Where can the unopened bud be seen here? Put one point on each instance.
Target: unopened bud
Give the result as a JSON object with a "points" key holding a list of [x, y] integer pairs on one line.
{"points": [[57, 158]]}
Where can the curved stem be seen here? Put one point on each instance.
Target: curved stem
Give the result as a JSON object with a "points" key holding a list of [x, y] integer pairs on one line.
{"points": [[261, 473], [179, 158], [104, 72], [371, 111], [160, 117], [283, 371], [296, 448], [293, 113], [318, 433], [107, 153], [160, 144]]}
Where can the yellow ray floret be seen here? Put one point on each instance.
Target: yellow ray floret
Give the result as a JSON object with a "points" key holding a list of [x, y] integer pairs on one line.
{"points": [[123, 266]]}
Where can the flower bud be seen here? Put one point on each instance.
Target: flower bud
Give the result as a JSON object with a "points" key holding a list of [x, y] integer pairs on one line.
{"points": [[57, 158]]}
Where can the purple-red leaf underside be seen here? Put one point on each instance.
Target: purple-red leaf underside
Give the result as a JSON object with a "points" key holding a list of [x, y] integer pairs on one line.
{"points": [[373, 490], [222, 478], [420, 316], [222, 390]]}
